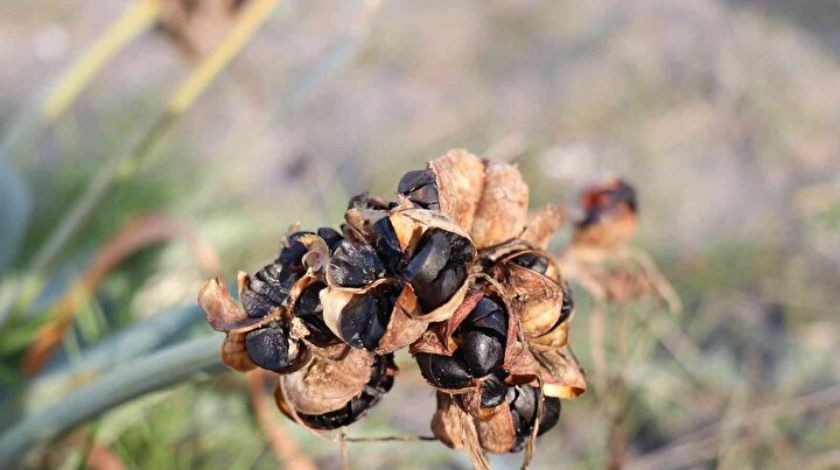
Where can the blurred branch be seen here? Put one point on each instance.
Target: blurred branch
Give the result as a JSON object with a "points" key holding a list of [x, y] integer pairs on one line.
{"points": [[156, 371], [701, 443], [131, 24], [255, 13], [285, 447], [76, 77], [139, 232]]}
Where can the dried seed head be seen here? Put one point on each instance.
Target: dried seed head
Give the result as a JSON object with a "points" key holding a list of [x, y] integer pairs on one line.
{"points": [[609, 215]]}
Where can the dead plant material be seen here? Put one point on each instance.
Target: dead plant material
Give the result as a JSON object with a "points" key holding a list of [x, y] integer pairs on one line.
{"points": [[455, 270]]}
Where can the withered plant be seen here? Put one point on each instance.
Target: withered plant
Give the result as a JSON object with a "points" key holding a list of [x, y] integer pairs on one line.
{"points": [[457, 271]]}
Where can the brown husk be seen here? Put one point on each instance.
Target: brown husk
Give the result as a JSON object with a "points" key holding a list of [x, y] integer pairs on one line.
{"points": [[456, 429], [460, 181], [404, 327], [503, 210], [335, 376]]}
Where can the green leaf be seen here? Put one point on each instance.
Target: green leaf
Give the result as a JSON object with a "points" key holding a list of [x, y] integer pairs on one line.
{"points": [[14, 213]]}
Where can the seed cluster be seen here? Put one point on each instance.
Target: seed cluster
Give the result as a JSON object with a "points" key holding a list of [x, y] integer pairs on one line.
{"points": [[454, 269]]}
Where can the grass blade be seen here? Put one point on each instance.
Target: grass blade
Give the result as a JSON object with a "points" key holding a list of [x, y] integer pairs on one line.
{"points": [[154, 372]]}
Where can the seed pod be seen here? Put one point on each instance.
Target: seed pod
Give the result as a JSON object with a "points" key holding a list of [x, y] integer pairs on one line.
{"points": [[474, 348], [459, 177], [543, 225], [273, 348], [536, 299], [420, 188], [503, 209], [507, 427], [438, 255], [271, 286], [609, 215], [513, 422], [382, 317], [335, 390]]}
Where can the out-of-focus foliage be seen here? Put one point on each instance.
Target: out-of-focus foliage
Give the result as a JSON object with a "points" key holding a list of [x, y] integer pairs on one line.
{"points": [[724, 115]]}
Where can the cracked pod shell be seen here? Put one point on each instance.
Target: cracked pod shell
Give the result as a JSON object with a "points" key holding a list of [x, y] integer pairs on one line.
{"points": [[438, 341], [337, 389], [536, 299], [382, 317], [413, 228]]}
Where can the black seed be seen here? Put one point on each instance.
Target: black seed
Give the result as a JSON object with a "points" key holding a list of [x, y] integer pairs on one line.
{"points": [[523, 408], [481, 352], [432, 256], [291, 255], [415, 179], [311, 312], [330, 236], [568, 305], [493, 391], [364, 319], [443, 371], [490, 316], [268, 348], [425, 196], [387, 244], [355, 265], [551, 414], [435, 294], [533, 262], [461, 249], [256, 305]]}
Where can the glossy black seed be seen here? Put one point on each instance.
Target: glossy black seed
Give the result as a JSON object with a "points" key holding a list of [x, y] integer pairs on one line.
{"points": [[269, 289], [414, 180], [550, 415], [355, 265], [443, 371], [481, 352], [311, 312], [387, 244], [291, 255], [525, 403], [493, 391], [269, 348], [461, 250], [568, 305], [430, 258], [523, 411], [533, 262], [490, 316], [433, 295], [364, 319], [330, 236], [426, 197]]}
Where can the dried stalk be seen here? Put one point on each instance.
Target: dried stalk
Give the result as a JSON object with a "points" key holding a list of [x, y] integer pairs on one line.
{"points": [[285, 448], [254, 15]]}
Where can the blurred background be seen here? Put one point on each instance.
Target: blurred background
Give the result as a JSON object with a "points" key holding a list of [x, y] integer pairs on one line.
{"points": [[119, 194]]}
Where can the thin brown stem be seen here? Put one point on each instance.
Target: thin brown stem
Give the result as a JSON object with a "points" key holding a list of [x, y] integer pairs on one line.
{"points": [[286, 449]]}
